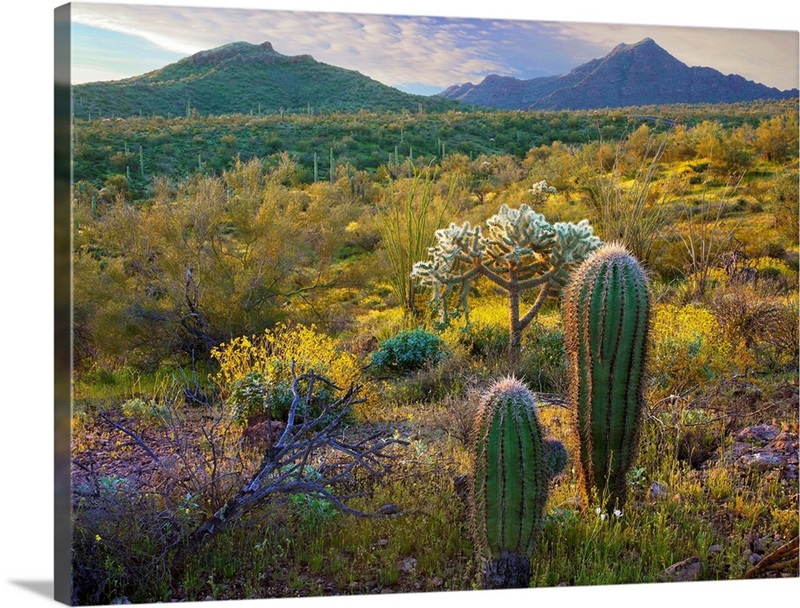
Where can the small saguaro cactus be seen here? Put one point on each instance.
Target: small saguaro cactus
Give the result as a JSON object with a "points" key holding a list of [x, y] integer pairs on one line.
{"points": [[509, 487], [607, 310]]}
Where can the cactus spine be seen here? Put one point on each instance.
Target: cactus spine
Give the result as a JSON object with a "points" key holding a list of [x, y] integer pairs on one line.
{"points": [[607, 311], [509, 487]]}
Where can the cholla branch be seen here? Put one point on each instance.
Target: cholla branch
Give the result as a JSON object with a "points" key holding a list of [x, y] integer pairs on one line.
{"points": [[519, 250]]}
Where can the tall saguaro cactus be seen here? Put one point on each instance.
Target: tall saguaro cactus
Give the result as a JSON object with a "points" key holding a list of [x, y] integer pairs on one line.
{"points": [[606, 319], [513, 465]]}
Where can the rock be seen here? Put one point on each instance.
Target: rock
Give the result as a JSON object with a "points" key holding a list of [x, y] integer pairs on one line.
{"points": [[408, 565], [688, 570], [759, 434], [785, 441], [759, 545], [763, 461], [437, 582], [715, 549], [382, 542], [657, 491], [120, 601]]}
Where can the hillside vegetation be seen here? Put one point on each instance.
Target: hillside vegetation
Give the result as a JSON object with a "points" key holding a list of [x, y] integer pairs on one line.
{"points": [[244, 78], [233, 272]]}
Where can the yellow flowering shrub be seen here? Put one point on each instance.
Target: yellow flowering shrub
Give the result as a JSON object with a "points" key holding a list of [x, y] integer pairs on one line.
{"points": [[487, 331], [772, 267], [688, 348], [256, 371]]}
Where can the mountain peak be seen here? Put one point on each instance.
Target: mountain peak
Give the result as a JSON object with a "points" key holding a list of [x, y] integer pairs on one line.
{"points": [[242, 51], [645, 44], [642, 73]]}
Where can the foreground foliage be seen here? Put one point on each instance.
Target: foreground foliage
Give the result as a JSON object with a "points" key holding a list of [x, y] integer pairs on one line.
{"points": [[196, 295]]}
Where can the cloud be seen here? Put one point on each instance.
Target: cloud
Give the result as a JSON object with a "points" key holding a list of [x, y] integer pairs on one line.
{"points": [[405, 51]]}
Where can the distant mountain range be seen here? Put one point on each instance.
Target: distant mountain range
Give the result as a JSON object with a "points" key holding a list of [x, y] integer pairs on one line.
{"points": [[248, 78], [245, 78], [630, 75]]}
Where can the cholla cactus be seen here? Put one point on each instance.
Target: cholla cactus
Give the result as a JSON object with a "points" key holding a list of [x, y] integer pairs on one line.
{"points": [[540, 191], [519, 251]]}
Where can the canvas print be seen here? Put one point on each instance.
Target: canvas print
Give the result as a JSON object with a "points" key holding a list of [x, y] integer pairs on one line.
{"points": [[356, 304]]}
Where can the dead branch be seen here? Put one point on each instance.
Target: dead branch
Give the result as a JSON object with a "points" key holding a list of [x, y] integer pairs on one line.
{"points": [[284, 468], [783, 557], [137, 438]]}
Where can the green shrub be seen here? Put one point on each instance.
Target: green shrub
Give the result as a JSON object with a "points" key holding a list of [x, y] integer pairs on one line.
{"points": [[407, 351], [544, 363], [485, 340], [254, 395]]}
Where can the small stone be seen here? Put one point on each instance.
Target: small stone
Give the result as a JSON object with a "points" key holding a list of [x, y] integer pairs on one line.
{"points": [[759, 433], [688, 570], [657, 491], [437, 582], [388, 509], [408, 565], [120, 601], [759, 545], [763, 461], [386, 590], [715, 549], [209, 598], [382, 542]]}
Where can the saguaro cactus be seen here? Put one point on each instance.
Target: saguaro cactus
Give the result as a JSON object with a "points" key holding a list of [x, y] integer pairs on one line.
{"points": [[509, 486], [606, 318]]}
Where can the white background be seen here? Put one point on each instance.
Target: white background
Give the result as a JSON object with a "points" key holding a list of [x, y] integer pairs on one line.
{"points": [[26, 353]]}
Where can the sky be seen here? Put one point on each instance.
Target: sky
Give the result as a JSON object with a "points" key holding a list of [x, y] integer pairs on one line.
{"points": [[416, 52], [27, 249]]}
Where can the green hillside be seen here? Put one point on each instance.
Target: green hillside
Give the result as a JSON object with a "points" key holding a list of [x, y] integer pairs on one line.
{"points": [[244, 78]]}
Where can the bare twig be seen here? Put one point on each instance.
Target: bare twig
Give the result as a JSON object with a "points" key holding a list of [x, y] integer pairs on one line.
{"points": [[137, 438], [783, 557], [284, 468]]}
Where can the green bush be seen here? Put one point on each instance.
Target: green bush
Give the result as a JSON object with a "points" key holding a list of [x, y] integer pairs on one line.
{"points": [[253, 396], [543, 363], [485, 341], [407, 351]]}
